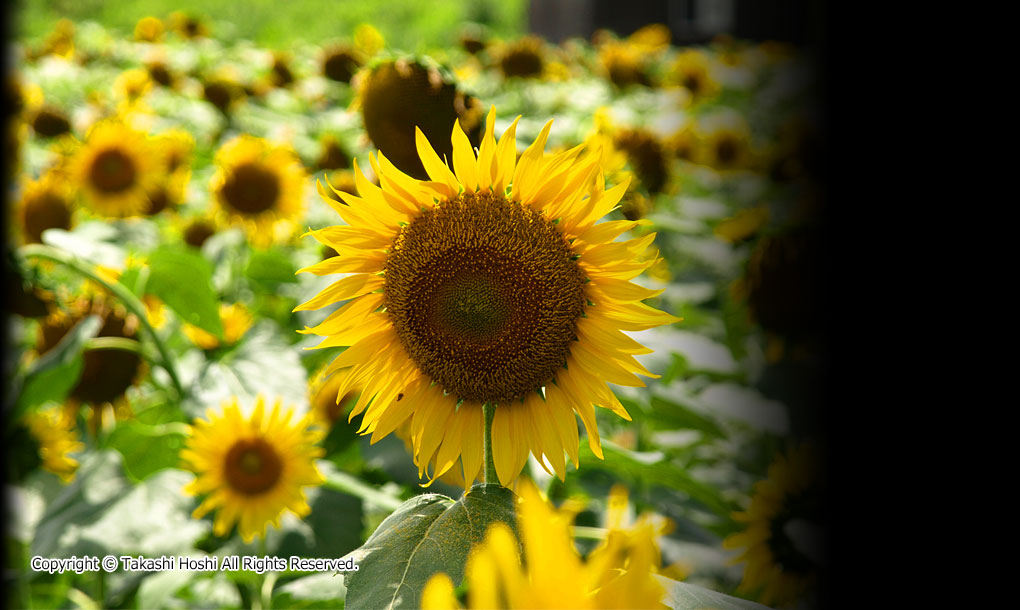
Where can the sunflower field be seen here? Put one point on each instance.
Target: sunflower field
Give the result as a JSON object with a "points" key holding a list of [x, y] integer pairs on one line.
{"points": [[370, 323]]}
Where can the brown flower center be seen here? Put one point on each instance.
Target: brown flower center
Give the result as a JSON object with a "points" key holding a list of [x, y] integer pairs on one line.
{"points": [[253, 466], [48, 210], [251, 189], [112, 171], [484, 294]]}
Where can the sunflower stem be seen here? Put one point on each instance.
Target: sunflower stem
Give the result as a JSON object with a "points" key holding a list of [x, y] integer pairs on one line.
{"points": [[489, 472], [126, 297]]}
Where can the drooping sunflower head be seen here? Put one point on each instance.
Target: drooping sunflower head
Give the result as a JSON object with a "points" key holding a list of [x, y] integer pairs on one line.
{"points": [[524, 58], [491, 283], [149, 29], [258, 186], [398, 97], [550, 573], [252, 467], [341, 62], [45, 204], [107, 374], [115, 169], [782, 545]]}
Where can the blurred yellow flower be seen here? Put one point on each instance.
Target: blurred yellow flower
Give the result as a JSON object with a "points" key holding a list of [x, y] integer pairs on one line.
{"points": [[57, 437], [743, 225], [45, 204], [115, 169], [258, 186], [620, 573], [251, 469], [236, 319], [149, 29], [691, 70], [368, 39]]}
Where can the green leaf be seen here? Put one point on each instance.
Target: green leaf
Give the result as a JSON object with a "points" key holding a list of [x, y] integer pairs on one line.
{"points": [[53, 376], [322, 590], [679, 417], [684, 596], [271, 267], [146, 448], [183, 280], [654, 468], [429, 533]]}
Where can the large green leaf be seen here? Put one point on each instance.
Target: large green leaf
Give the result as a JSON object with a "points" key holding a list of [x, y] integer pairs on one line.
{"points": [[183, 280], [684, 596], [429, 533], [53, 375]]}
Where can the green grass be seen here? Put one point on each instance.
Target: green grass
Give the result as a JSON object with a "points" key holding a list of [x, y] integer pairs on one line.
{"points": [[409, 25]]}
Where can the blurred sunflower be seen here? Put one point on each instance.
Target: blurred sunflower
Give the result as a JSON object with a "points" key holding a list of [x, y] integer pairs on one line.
{"points": [[115, 168], [781, 541], [251, 469], [130, 87], [327, 406], [107, 374], [174, 147], [280, 73], [60, 41], [398, 97], [725, 145], [188, 26], [196, 230], [236, 320], [56, 438], [341, 181], [743, 225], [341, 62], [48, 121], [45, 204], [472, 38], [161, 73], [524, 58], [149, 29], [223, 90], [490, 295], [691, 70], [331, 154], [624, 64], [682, 143], [620, 573], [646, 155], [258, 186]]}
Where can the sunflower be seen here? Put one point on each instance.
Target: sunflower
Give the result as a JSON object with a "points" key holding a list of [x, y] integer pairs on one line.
{"points": [[646, 155], [331, 154], [524, 58], [495, 282], [45, 204], [160, 73], [115, 169], [341, 62], [692, 71], [252, 468], [149, 29], [107, 374], [398, 97], [223, 91], [725, 144], [781, 564], [175, 147], [743, 225], [620, 573], [624, 64], [56, 437], [131, 86], [49, 122], [188, 26], [258, 186], [198, 229], [236, 320]]}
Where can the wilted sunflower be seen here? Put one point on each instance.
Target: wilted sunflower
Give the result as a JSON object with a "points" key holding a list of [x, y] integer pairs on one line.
{"points": [[258, 186], [236, 320], [45, 204], [398, 97], [252, 468], [620, 573], [107, 373], [782, 541], [115, 169], [56, 437], [495, 282]]}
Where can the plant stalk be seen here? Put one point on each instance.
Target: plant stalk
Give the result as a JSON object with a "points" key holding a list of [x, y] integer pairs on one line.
{"points": [[489, 472]]}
